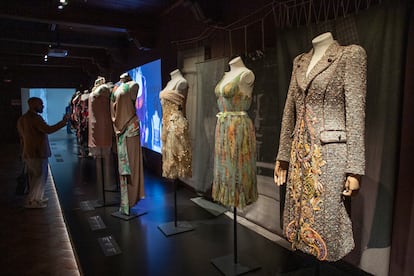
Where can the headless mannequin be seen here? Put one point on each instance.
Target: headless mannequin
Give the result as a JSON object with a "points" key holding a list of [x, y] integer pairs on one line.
{"points": [[100, 135], [320, 45], [246, 79], [179, 84]]}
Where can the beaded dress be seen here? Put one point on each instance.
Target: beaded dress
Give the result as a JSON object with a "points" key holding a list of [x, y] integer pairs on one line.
{"points": [[234, 181], [176, 144]]}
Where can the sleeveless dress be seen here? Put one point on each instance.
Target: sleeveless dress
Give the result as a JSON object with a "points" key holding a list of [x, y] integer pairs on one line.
{"points": [[234, 182], [126, 127], [176, 145]]}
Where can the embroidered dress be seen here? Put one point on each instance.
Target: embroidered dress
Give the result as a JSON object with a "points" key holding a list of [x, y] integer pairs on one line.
{"points": [[234, 183], [126, 126], [322, 138], [176, 145]]}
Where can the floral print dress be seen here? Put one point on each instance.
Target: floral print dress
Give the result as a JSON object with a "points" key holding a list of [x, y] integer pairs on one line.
{"points": [[234, 181]]}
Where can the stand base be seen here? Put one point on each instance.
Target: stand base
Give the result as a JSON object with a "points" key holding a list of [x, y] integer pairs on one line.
{"points": [[132, 215], [170, 229], [99, 203], [228, 267]]}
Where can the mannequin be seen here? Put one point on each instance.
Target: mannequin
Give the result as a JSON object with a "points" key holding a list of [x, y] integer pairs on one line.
{"points": [[322, 146], [235, 181], [320, 45], [126, 126], [176, 144], [100, 134], [246, 78]]}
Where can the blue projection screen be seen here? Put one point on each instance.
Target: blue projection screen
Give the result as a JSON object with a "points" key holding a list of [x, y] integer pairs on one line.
{"points": [[147, 104]]}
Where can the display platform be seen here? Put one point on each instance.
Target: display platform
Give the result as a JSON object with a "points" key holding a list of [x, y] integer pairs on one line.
{"points": [[106, 245]]}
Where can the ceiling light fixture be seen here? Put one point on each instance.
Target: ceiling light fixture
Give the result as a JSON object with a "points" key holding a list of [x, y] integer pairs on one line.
{"points": [[62, 4]]}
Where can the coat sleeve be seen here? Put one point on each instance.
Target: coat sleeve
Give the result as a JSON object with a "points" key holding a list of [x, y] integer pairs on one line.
{"points": [[288, 120], [355, 92], [42, 126]]}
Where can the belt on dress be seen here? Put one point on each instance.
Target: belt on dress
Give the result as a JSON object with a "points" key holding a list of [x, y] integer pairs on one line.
{"points": [[222, 115]]}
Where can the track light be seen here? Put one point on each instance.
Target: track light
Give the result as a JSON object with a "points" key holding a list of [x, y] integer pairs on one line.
{"points": [[62, 4]]}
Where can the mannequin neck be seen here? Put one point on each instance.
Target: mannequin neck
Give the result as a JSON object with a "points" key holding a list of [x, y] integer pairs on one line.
{"points": [[176, 74], [321, 43], [236, 63]]}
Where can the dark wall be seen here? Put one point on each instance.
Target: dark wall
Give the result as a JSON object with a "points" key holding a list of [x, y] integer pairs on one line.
{"points": [[403, 225]]}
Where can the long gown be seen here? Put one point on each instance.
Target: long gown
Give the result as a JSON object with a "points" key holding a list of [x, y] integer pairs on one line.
{"points": [[235, 183], [126, 127]]}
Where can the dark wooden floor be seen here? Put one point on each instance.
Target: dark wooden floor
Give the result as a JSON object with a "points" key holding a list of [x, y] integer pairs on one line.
{"points": [[143, 248]]}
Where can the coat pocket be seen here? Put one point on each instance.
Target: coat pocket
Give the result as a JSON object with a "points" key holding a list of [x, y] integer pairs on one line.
{"points": [[332, 136]]}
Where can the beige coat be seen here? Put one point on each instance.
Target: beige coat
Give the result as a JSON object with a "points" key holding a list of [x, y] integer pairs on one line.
{"points": [[322, 138], [33, 131]]}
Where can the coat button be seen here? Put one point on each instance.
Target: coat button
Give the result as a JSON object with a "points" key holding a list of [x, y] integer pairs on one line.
{"points": [[329, 60]]}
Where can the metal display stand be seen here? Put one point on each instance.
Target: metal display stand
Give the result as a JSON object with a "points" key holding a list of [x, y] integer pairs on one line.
{"points": [[131, 215], [229, 265], [175, 227], [102, 203]]}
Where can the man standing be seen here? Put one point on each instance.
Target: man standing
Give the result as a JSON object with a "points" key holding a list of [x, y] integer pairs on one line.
{"points": [[33, 132]]}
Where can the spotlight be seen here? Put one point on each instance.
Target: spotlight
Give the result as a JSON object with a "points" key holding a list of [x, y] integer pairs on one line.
{"points": [[62, 4], [45, 58]]}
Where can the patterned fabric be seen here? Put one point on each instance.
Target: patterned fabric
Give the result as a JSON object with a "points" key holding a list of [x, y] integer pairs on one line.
{"points": [[123, 163], [176, 144], [131, 131], [234, 181], [322, 136]]}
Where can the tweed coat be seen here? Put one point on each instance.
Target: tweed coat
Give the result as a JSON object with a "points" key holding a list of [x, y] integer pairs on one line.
{"points": [[322, 138]]}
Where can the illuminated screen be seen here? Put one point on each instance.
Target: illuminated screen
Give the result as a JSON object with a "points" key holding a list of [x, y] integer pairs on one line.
{"points": [[147, 104]]}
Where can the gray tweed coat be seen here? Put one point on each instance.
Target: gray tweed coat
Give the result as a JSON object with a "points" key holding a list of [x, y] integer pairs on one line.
{"points": [[322, 138]]}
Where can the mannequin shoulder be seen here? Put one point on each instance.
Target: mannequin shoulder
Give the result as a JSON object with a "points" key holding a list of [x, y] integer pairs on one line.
{"points": [[355, 51], [133, 86], [247, 77], [182, 84]]}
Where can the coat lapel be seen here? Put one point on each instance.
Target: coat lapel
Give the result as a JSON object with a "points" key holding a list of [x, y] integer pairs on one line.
{"points": [[331, 54]]}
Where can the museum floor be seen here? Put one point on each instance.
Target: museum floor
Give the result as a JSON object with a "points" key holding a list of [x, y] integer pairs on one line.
{"points": [[34, 241]]}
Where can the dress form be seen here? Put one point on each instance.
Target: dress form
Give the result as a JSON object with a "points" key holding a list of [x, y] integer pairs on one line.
{"points": [[126, 127], [177, 154], [177, 82], [320, 44], [246, 79], [100, 136]]}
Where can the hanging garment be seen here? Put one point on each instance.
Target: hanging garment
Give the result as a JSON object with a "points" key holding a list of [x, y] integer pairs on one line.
{"points": [[322, 138], [235, 182]]}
